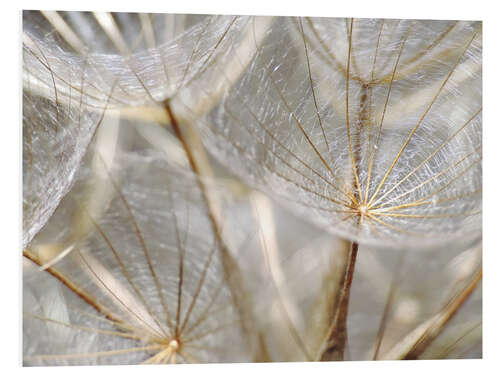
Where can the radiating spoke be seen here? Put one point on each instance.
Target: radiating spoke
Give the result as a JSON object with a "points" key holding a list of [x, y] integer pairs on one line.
{"points": [[94, 354], [142, 242], [198, 288], [348, 125], [123, 268], [444, 144], [85, 328], [417, 125], [89, 299], [434, 177], [377, 140], [109, 290]]}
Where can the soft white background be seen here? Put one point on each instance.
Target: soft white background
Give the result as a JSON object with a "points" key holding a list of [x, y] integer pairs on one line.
{"points": [[10, 170]]}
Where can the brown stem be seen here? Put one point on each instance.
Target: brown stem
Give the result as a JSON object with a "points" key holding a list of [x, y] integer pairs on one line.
{"points": [[90, 300], [337, 338], [232, 272], [445, 315]]}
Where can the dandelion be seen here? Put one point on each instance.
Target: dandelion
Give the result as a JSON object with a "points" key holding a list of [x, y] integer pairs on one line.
{"points": [[367, 129], [146, 284], [371, 128]]}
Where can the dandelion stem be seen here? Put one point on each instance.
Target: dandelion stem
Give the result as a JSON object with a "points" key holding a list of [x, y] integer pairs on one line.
{"points": [[337, 337]]}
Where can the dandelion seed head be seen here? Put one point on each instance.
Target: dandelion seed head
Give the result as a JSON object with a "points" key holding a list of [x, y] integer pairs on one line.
{"points": [[366, 133], [363, 210], [173, 345], [316, 135]]}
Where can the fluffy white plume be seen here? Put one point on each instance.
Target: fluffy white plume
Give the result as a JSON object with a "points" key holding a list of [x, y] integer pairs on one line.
{"points": [[370, 128]]}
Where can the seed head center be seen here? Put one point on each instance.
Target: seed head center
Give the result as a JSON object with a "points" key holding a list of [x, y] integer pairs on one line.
{"points": [[173, 345], [363, 210]]}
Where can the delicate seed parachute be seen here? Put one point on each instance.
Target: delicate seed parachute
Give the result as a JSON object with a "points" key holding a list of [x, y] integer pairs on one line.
{"points": [[156, 59], [371, 128], [55, 138], [146, 285]]}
